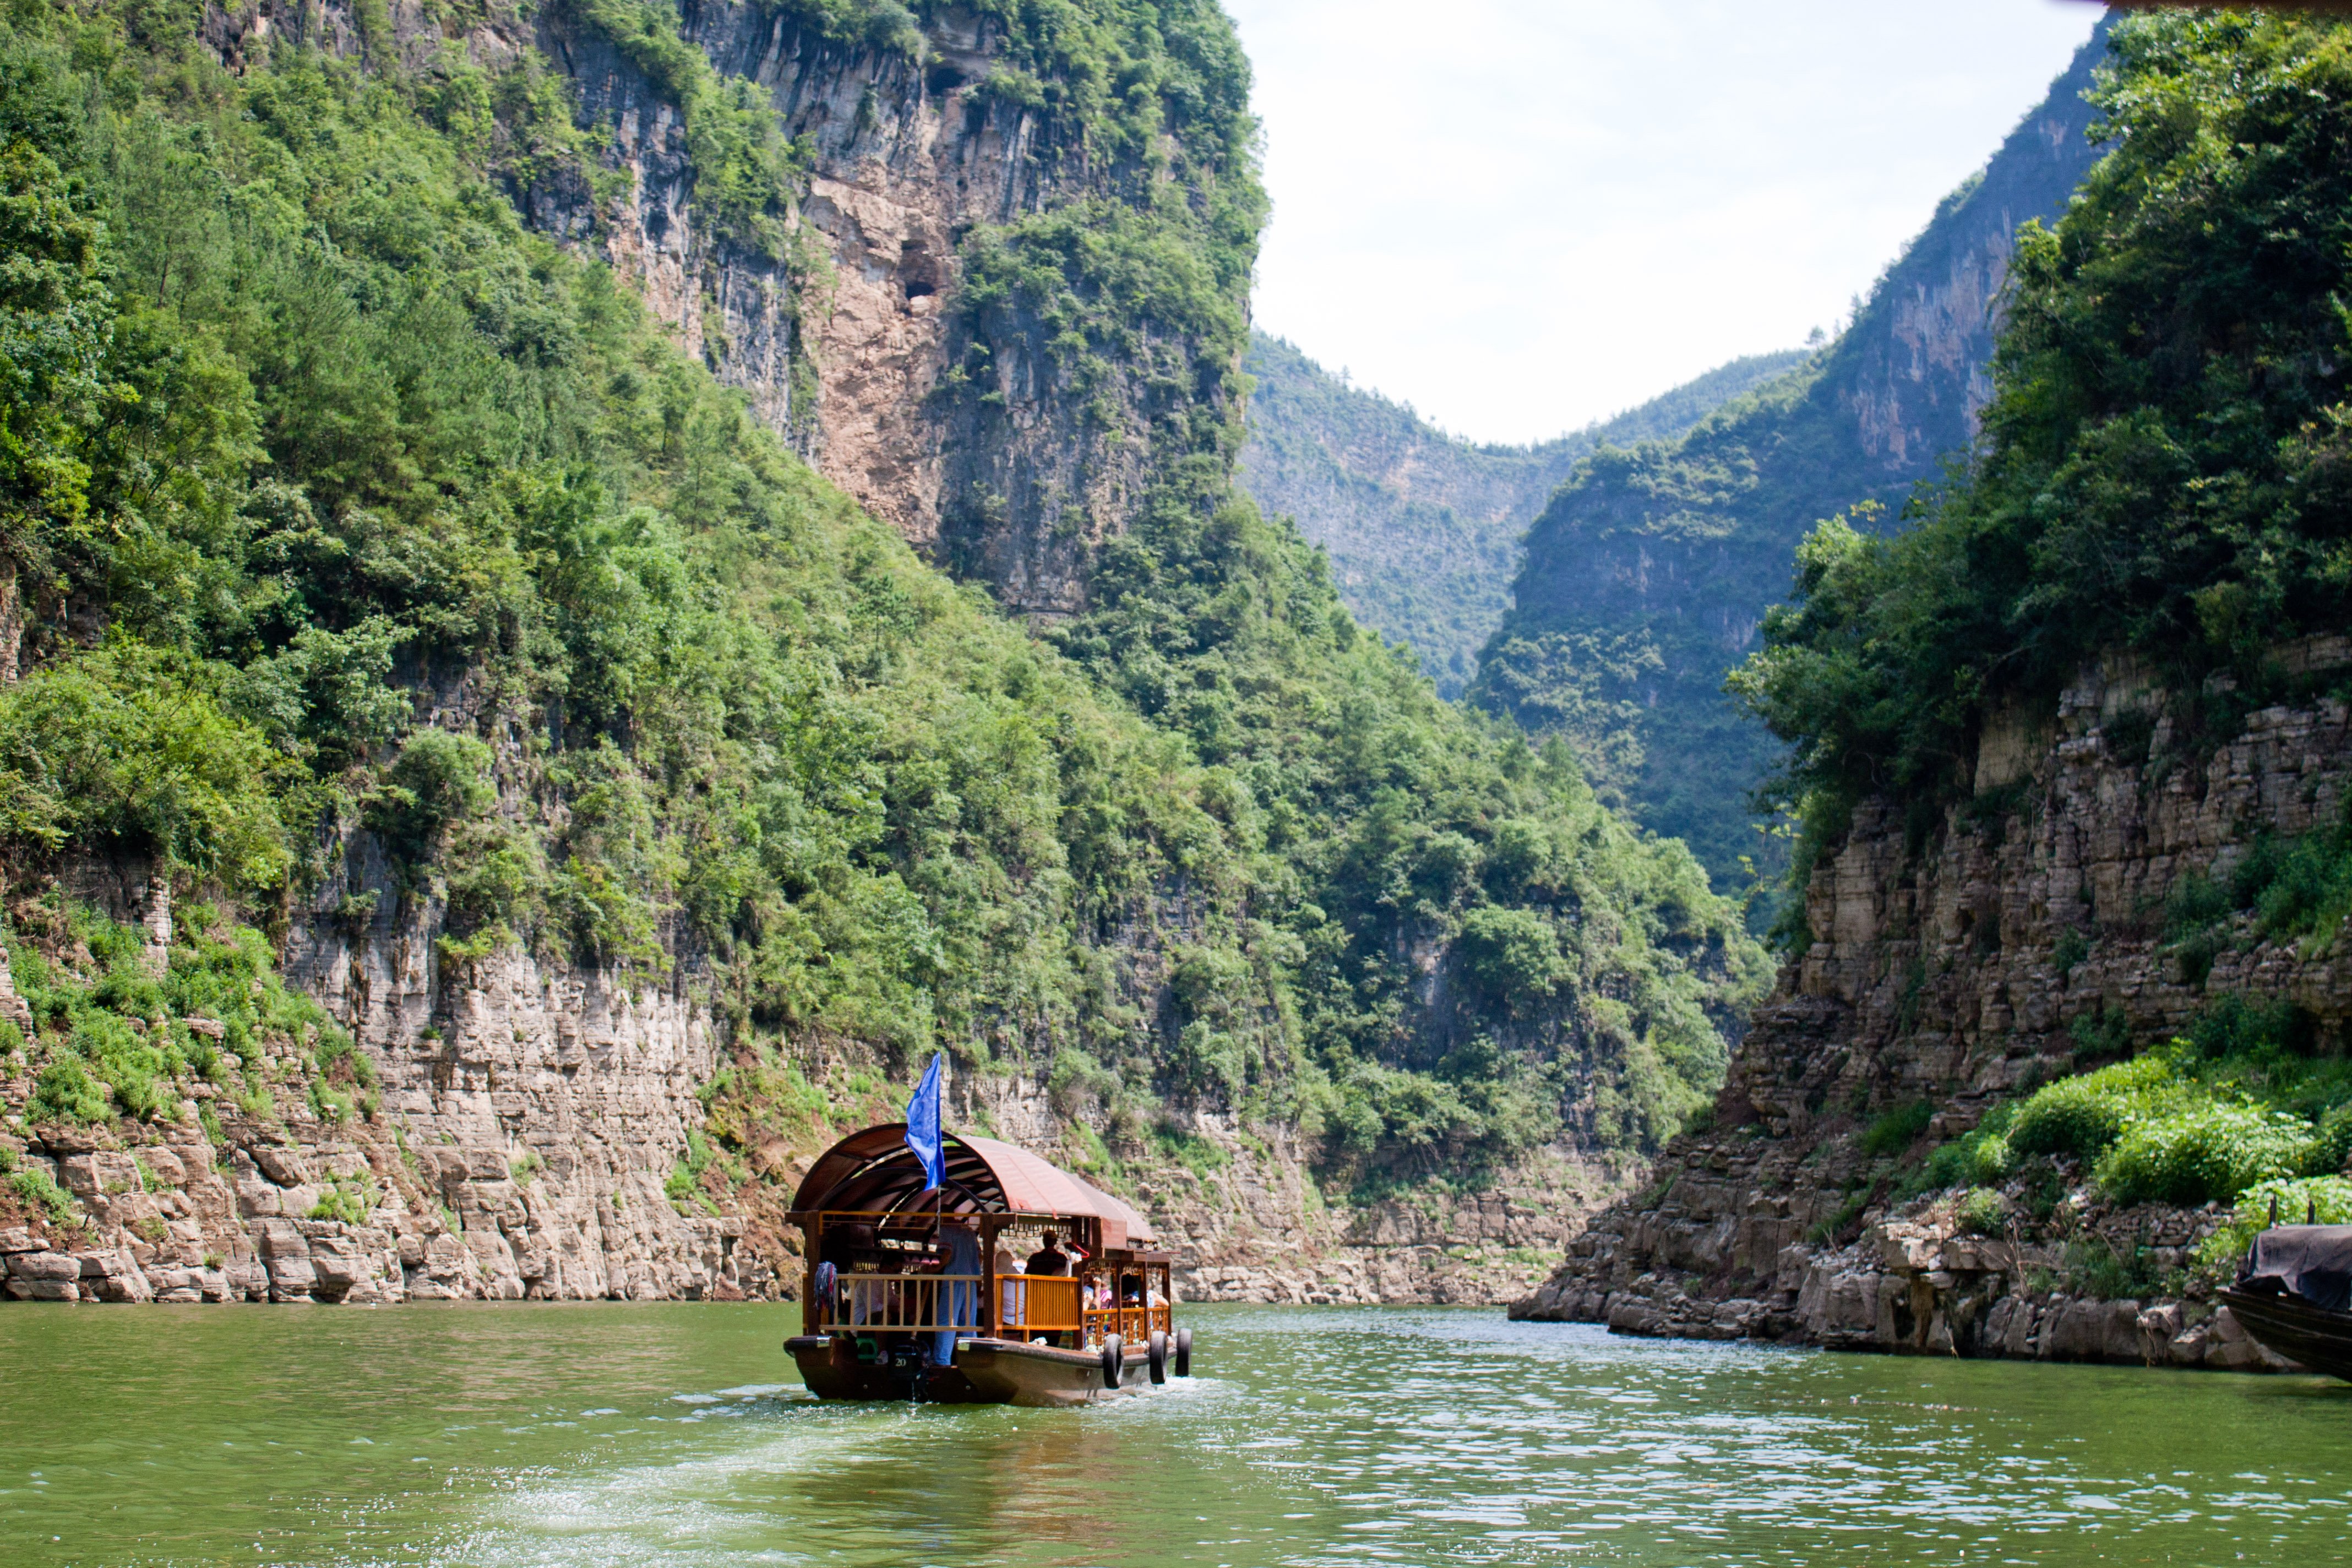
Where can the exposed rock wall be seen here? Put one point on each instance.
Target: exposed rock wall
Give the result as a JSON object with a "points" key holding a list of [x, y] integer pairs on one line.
{"points": [[527, 1120], [1952, 976]]}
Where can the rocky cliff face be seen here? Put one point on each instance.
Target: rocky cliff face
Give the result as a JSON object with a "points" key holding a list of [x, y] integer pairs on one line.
{"points": [[966, 424], [526, 1127], [1952, 976]]}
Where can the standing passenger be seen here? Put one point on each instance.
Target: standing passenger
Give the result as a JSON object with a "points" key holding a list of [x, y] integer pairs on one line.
{"points": [[958, 1298]]}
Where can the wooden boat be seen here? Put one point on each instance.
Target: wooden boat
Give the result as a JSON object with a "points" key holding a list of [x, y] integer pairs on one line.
{"points": [[2293, 1294], [876, 1299]]}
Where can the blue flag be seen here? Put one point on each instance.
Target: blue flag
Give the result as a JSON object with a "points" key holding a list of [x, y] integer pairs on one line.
{"points": [[923, 1126]]}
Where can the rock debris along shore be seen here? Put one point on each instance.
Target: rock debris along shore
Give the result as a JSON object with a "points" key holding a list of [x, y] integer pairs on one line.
{"points": [[1939, 976]]}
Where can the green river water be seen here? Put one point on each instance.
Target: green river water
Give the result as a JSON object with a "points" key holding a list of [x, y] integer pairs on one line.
{"points": [[676, 1434]]}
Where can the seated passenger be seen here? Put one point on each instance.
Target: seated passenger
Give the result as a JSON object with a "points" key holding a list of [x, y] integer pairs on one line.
{"points": [[1049, 1258], [1012, 1297]]}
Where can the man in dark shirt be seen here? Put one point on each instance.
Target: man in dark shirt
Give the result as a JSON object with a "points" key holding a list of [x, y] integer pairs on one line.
{"points": [[1050, 1258]]}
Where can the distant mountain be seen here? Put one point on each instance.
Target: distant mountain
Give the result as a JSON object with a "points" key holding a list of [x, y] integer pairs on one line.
{"points": [[1645, 577], [1423, 528]]}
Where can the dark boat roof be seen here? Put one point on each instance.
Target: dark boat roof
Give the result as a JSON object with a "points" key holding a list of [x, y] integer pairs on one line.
{"points": [[873, 1172], [2312, 1262]]}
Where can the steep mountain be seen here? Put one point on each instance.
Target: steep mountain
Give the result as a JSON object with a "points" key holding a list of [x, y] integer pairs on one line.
{"points": [[1423, 528], [2069, 1006], [478, 809], [1647, 576]]}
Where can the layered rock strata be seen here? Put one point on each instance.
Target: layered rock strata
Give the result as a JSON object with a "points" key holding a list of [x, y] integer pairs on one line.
{"points": [[1952, 976]]}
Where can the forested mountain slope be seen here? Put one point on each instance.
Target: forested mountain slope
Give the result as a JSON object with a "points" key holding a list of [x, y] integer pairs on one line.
{"points": [[413, 590], [1423, 528], [1647, 576], [2069, 1004]]}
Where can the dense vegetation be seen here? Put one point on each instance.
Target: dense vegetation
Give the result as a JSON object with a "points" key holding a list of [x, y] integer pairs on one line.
{"points": [[2163, 461], [1647, 576], [343, 509], [1423, 527]]}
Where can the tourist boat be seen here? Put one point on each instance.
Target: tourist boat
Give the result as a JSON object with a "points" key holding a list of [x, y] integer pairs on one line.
{"points": [[875, 1300], [2293, 1294]]}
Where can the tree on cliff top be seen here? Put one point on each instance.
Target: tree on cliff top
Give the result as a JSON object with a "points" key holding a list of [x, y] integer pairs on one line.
{"points": [[2164, 468]]}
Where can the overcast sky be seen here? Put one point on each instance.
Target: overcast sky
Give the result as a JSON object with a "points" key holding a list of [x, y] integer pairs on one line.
{"points": [[1520, 215]]}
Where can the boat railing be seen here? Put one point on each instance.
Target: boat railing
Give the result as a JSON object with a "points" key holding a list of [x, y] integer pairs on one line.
{"points": [[917, 1302], [1037, 1304], [1132, 1323]]}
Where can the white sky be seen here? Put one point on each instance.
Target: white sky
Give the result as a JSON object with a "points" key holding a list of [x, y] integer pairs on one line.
{"points": [[1520, 215]]}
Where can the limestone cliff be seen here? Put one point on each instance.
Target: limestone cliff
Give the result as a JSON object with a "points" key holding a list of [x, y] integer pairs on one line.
{"points": [[972, 426], [1954, 975]]}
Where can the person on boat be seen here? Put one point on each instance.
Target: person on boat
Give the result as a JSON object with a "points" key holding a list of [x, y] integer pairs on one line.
{"points": [[958, 1298], [1012, 1300], [1049, 1257]]}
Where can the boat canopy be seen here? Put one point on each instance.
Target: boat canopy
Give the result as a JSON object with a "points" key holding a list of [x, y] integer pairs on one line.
{"points": [[873, 1171], [2310, 1261]]}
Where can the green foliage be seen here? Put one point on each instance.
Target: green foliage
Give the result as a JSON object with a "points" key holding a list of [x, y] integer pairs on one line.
{"points": [[746, 173], [40, 1189], [1898, 1129], [1190, 1150], [2161, 463], [351, 1199], [2096, 1271], [2246, 1097], [2084, 1114], [2202, 1153], [684, 1185], [1981, 1211], [114, 1040], [1981, 1157], [125, 748]]}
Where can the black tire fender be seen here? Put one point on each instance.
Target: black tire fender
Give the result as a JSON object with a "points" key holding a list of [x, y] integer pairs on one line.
{"points": [[1114, 1360], [1158, 1352], [1184, 1353]]}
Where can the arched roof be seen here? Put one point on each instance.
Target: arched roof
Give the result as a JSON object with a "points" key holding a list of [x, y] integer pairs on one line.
{"points": [[873, 1172]]}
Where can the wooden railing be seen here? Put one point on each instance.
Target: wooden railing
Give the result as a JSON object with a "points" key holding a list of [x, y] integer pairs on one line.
{"points": [[917, 1302], [1025, 1305], [1134, 1323], [1036, 1304]]}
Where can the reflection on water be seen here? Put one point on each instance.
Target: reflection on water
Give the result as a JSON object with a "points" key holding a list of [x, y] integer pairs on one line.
{"points": [[666, 1435]]}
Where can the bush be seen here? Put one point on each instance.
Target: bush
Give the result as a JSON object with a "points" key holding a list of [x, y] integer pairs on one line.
{"points": [[2218, 1256], [2332, 1148], [126, 747], [1898, 1129], [350, 1199], [41, 1190], [1983, 1212], [2202, 1152], [1982, 1157], [65, 1091], [2083, 1115]]}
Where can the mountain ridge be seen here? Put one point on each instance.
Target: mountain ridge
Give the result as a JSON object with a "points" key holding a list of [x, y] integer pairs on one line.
{"points": [[1423, 527]]}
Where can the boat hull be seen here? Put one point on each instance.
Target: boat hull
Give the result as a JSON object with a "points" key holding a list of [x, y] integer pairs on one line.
{"points": [[2313, 1336], [986, 1372]]}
